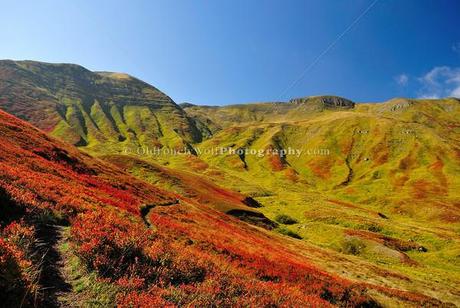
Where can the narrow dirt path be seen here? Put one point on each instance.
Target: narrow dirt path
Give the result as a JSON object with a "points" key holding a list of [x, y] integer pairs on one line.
{"points": [[146, 208], [52, 277], [348, 161]]}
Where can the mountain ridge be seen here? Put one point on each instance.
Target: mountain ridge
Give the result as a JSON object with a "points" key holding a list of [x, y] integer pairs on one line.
{"points": [[83, 107]]}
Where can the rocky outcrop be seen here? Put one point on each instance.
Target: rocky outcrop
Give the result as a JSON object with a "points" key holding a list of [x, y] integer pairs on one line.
{"points": [[327, 102]]}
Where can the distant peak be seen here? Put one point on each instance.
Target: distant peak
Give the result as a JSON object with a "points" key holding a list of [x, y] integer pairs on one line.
{"points": [[186, 105], [327, 101], [115, 75]]}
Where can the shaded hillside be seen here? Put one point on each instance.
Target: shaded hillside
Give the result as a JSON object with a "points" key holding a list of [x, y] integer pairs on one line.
{"points": [[93, 108]]}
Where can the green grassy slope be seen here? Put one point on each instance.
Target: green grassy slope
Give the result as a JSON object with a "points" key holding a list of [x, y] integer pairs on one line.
{"points": [[411, 154]]}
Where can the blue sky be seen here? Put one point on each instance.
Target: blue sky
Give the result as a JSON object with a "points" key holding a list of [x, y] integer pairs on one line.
{"points": [[222, 52]]}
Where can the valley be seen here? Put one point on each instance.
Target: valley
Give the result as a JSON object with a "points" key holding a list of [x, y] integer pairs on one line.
{"points": [[315, 200]]}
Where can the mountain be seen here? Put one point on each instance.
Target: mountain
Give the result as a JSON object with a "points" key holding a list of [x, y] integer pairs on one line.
{"points": [[368, 192], [93, 109]]}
